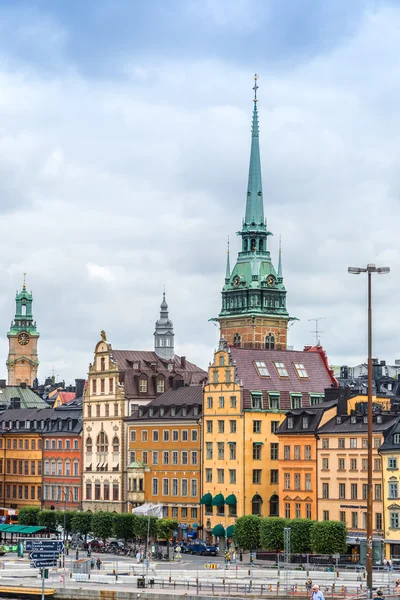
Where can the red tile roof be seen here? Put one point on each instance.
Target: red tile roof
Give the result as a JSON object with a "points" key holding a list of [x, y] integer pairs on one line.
{"points": [[66, 396], [314, 361]]}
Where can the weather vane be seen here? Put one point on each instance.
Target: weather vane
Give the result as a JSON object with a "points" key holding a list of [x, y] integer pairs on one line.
{"points": [[255, 88]]}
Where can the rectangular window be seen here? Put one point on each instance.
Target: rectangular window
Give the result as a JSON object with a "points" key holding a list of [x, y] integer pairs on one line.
{"points": [[143, 386], [274, 476], [257, 451], [154, 458], [393, 489], [256, 401], [174, 512], [354, 520], [301, 371], [184, 488], [155, 435], [133, 435], [286, 481], [325, 442], [354, 491], [208, 475], [209, 450], [185, 435], [257, 476], [353, 442], [166, 435], [232, 426], [144, 436], [298, 510], [325, 514], [165, 487], [155, 486], [342, 491], [111, 385], [341, 442], [378, 491], [377, 464], [193, 458], [286, 452], [232, 451], [394, 520], [94, 386], [325, 490], [364, 443], [274, 426], [209, 402], [364, 464], [145, 457], [308, 511], [175, 435], [221, 426], [185, 459], [342, 516], [221, 402], [233, 401], [341, 464], [97, 491], [297, 452], [256, 426], [175, 457], [307, 452], [377, 442], [166, 457], [296, 401], [287, 510], [261, 368], [364, 491], [274, 450], [281, 369], [195, 435], [297, 481], [209, 425], [115, 489], [232, 476], [88, 491], [308, 481], [97, 410], [102, 385], [325, 464], [220, 475], [353, 464], [392, 463], [221, 450], [274, 401]]}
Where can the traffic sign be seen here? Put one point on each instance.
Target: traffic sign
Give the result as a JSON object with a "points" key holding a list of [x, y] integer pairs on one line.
{"points": [[40, 564], [43, 555], [44, 546]]}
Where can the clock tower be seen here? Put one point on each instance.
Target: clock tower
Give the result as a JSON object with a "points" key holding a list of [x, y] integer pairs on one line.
{"points": [[254, 313], [22, 362]]}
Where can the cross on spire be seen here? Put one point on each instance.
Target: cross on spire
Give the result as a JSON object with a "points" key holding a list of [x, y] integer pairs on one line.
{"points": [[24, 286], [255, 87]]}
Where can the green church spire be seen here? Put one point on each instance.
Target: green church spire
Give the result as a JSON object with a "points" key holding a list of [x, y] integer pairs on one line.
{"points": [[228, 266], [254, 216]]}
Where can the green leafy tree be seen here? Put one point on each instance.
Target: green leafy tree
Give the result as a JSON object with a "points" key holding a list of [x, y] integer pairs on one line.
{"points": [[247, 532], [300, 532], [47, 518], [102, 524], [271, 533], [123, 526], [82, 523], [165, 528], [140, 526], [28, 515], [328, 537]]}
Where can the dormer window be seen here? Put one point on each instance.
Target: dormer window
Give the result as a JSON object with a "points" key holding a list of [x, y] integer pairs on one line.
{"points": [[221, 360], [396, 438], [161, 411], [17, 424], [338, 420], [195, 410], [290, 423], [261, 368], [173, 411], [135, 366], [379, 419], [300, 370], [353, 419], [143, 386], [281, 369], [170, 367], [184, 411], [27, 424], [151, 411], [365, 420], [305, 422]]}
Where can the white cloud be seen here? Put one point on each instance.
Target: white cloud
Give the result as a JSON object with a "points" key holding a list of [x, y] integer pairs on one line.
{"points": [[111, 189]]}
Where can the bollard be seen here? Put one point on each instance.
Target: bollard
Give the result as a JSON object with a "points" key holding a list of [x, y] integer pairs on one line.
{"points": [[170, 579], [248, 573]]}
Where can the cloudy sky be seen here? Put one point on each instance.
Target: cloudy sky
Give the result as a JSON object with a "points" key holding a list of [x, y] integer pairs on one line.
{"points": [[124, 148]]}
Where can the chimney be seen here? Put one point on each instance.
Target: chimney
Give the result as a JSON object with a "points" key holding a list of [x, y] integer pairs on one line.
{"points": [[183, 362], [2, 384], [177, 383], [15, 402], [23, 385], [79, 385]]}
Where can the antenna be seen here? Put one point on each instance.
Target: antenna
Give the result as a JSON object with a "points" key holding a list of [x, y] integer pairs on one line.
{"points": [[317, 331]]}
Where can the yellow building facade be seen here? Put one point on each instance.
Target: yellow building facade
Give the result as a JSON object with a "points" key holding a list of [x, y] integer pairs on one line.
{"points": [[390, 454]]}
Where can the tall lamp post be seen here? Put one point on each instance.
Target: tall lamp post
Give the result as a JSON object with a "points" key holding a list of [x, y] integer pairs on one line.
{"points": [[356, 271]]}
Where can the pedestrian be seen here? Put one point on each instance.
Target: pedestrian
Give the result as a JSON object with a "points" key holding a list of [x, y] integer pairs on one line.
{"points": [[390, 564], [309, 584], [316, 593], [77, 554], [98, 563], [385, 563], [89, 552], [234, 557], [379, 595], [67, 548]]}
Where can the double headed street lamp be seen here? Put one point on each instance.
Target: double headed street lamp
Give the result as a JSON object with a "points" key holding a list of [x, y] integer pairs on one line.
{"points": [[356, 271]]}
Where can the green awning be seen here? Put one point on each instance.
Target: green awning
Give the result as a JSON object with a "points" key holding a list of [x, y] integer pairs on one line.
{"points": [[230, 531], [258, 443], [218, 500], [218, 530], [206, 499], [231, 500]]}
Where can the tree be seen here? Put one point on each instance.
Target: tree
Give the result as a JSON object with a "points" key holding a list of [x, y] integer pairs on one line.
{"points": [[69, 515], [141, 524], [247, 532], [271, 533], [102, 524], [328, 537], [123, 526], [165, 528], [300, 535], [82, 523], [47, 518], [28, 515]]}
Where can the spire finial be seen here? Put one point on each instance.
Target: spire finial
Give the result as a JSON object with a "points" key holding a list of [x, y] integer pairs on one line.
{"points": [[255, 88], [24, 286], [280, 276]]}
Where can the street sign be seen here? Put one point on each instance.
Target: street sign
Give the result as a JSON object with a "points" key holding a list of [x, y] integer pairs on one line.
{"points": [[40, 564], [44, 546], [43, 555]]}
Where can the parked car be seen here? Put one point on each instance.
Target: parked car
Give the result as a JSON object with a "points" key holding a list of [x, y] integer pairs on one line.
{"points": [[203, 549]]}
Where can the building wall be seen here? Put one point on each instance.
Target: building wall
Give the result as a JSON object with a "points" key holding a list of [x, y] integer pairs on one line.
{"points": [[253, 330], [352, 507], [22, 362], [153, 443], [22, 470], [62, 471], [391, 504], [104, 409]]}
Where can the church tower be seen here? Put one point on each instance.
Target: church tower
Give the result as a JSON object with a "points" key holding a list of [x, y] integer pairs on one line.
{"points": [[22, 362], [164, 333], [254, 310]]}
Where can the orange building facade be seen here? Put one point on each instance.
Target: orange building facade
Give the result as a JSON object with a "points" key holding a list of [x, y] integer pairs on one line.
{"points": [[165, 456]]}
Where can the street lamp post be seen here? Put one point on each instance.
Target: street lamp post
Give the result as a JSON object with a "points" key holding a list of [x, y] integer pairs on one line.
{"points": [[356, 271]]}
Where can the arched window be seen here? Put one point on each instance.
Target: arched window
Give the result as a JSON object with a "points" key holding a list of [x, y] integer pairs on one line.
{"points": [[76, 468], [253, 245], [222, 360], [89, 445], [102, 442], [23, 310], [274, 506], [53, 466], [115, 444], [244, 245], [59, 467], [67, 468], [270, 342], [47, 467], [237, 341], [256, 504]]}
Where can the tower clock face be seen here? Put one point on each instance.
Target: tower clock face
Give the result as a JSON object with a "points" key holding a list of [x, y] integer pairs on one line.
{"points": [[236, 281], [270, 280], [23, 339]]}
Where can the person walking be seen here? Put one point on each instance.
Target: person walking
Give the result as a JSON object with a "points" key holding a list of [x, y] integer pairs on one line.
{"points": [[316, 593], [379, 595]]}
